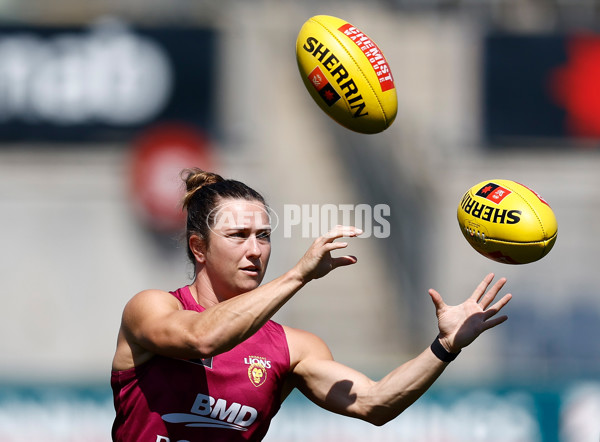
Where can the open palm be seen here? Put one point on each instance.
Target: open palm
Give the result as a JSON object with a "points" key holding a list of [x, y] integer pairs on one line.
{"points": [[461, 324]]}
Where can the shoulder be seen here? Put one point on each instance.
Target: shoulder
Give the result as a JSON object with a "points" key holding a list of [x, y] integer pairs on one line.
{"points": [[152, 295], [149, 302], [304, 345], [143, 310]]}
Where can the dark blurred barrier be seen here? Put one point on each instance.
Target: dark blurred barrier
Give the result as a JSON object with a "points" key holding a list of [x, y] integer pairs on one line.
{"points": [[103, 82]]}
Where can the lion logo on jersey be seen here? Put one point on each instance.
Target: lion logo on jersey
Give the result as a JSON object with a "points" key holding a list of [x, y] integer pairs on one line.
{"points": [[257, 375], [257, 370]]}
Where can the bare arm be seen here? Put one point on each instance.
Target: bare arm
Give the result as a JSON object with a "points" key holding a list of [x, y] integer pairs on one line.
{"points": [[155, 323], [343, 390]]}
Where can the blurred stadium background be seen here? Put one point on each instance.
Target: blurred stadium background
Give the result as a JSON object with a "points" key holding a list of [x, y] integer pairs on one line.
{"points": [[103, 102]]}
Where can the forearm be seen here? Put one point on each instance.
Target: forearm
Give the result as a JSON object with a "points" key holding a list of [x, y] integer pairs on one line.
{"points": [[226, 324], [343, 390], [389, 397]]}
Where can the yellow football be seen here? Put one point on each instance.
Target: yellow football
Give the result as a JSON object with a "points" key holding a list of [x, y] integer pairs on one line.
{"points": [[346, 74], [507, 222]]}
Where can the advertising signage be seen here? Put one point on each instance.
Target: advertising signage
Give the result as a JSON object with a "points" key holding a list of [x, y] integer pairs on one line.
{"points": [[103, 82], [541, 89]]}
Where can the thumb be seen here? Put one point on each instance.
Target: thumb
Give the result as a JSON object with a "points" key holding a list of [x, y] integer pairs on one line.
{"points": [[341, 261], [438, 302]]}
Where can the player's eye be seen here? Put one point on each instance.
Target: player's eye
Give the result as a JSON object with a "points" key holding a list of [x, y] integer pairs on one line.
{"points": [[265, 236], [238, 234]]}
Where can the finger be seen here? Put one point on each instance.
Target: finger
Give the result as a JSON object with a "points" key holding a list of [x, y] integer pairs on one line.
{"points": [[340, 231], [491, 294], [482, 287], [343, 261], [438, 302], [334, 246], [498, 306], [494, 322]]}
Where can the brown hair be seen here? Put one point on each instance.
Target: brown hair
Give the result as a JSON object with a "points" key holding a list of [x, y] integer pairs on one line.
{"points": [[204, 190]]}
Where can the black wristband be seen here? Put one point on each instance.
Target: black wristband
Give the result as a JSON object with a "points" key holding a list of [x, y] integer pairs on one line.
{"points": [[441, 353]]}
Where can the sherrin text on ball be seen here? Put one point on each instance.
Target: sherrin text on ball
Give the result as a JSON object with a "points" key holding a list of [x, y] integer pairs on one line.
{"points": [[346, 74], [507, 222]]}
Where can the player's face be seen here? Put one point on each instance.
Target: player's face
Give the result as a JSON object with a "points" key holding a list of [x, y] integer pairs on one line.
{"points": [[239, 246]]}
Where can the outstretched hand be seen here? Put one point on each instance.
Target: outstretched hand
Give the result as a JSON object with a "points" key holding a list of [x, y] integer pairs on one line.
{"points": [[318, 262], [461, 324]]}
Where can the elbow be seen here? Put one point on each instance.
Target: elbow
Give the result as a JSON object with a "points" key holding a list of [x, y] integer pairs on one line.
{"points": [[379, 416], [200, 347], [203, 351], [378, 421], [381, 422], [207, 346]]}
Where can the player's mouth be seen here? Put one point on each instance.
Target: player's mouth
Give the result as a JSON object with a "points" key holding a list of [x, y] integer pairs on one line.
{"points": [[251, 270]]}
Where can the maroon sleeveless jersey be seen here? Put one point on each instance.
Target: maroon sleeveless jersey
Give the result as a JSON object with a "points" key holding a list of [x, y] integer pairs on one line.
{"points": [[230, 397]]}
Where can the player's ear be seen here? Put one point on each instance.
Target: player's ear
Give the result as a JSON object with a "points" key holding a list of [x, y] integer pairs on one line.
{"points": [[198, 248]]}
